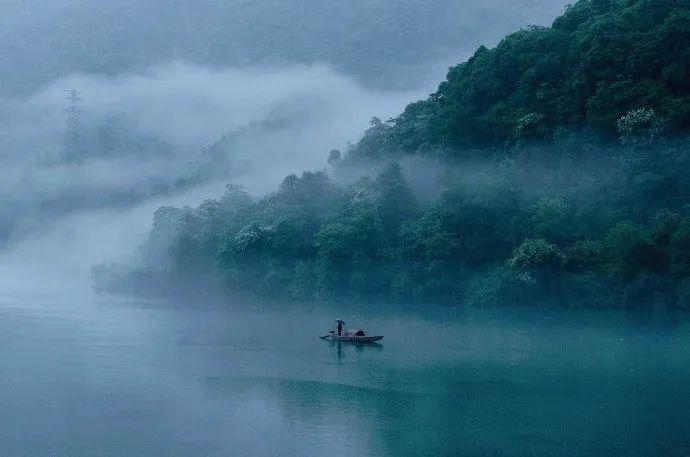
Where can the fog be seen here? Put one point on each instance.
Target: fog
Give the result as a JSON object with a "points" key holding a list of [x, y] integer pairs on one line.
{"points": [[185, 132], [382, 43], [111, 109], [178, 99]]}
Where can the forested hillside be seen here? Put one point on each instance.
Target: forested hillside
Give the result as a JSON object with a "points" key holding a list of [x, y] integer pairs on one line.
{"points": [[600, 60], [558, 164]]}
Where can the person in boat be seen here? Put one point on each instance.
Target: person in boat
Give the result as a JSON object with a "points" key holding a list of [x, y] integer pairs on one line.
{"points": [[340, 326]]}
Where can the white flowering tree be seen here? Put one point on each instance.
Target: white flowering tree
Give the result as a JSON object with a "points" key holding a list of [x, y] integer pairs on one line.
{"points": [[639, 127]]}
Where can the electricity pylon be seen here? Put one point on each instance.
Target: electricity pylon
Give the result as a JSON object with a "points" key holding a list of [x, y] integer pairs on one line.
{"points": [[73, 122]]}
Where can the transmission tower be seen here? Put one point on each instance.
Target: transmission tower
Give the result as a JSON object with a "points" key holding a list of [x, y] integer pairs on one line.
{"points": [[73, 121], [73, 110]]}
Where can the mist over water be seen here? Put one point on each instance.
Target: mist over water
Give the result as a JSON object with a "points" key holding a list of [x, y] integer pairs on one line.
{"points": [[179, 96], [146, 133], [179, 99]]}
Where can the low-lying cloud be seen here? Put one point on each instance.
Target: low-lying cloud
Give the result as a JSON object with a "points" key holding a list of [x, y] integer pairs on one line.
{"points": [[150, 137]]}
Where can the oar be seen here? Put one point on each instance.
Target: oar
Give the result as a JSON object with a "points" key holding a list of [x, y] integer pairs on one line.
{"points": [[326, 336]]}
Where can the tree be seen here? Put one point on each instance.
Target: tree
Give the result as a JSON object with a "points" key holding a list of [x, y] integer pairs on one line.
{"points": [[535, 260], [398, 203], [552, 220], [630, 252], [639, 127]]}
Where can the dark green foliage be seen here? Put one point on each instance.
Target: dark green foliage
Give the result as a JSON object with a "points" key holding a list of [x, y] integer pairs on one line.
{"points": [[521, 232], [598, 61], [588, 207]]}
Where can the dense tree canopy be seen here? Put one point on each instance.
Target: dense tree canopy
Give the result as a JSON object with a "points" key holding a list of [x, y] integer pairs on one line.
{"points": [[563, 179], [600, 60]]}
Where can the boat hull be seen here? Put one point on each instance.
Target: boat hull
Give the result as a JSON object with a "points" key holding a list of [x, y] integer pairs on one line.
{"points": [[354, 338]]}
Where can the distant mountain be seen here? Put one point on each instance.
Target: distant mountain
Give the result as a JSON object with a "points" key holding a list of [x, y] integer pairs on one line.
{"points": [[385, 43]]}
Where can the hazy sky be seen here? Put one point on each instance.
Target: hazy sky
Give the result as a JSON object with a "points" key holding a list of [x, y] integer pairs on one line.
{"points": [[383, 43]]}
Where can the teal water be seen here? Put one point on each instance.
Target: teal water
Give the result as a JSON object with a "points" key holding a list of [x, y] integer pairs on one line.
{"points": [[108, 377]]}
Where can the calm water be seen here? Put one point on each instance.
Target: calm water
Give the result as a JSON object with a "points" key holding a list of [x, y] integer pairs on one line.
{"points": [[102, 377]]}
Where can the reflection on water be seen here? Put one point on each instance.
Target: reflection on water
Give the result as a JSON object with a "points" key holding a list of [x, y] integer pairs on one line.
{"points": [[109, 378], [357, 346]]}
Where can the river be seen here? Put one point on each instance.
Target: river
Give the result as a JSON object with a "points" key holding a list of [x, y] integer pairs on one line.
{"points": [[105, 376]]}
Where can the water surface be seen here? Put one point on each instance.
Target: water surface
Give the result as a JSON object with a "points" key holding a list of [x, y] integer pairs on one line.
{"points": [[115, 377]]}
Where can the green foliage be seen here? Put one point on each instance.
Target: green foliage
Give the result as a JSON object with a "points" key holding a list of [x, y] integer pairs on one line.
{"points": [[595, 239], [552, 219], [684, 294], [566, 214], [584, 256], [629, 252], [398, 203], [680, 249], [602, 66], [534, 259], [639, 127]]}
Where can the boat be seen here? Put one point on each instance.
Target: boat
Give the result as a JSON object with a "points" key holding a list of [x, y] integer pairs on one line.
{"points": [[353, 338], [357, 336]]}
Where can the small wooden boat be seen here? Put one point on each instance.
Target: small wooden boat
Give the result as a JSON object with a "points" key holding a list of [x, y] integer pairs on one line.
{"points": [[350, 336]]}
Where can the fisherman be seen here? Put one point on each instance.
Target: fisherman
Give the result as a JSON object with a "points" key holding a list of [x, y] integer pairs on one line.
{"points": [[340, 327]]}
